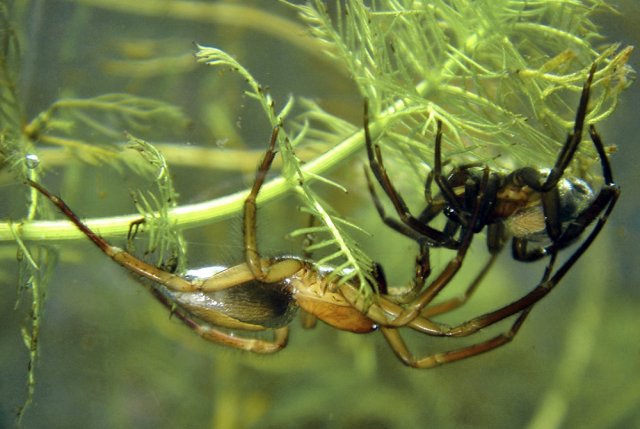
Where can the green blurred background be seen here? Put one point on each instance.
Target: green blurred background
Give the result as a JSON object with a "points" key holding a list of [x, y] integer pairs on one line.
{"points": [[110, 355]]}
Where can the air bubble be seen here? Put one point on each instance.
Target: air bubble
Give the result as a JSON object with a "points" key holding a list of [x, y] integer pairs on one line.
{"points": [[32, 161]]}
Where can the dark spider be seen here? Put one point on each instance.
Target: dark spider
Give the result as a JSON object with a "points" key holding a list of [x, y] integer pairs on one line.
{"points": [[531, 206]]}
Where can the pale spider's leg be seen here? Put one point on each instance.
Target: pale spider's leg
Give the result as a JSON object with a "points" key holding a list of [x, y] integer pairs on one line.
{"points": [[382, 310], [123, 258], [254, 261], [263, 270], [176, 283], [308, 320], [227, 278]]}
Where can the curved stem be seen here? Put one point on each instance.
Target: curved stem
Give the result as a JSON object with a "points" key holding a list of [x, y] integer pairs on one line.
{"points": [[192, 215]]}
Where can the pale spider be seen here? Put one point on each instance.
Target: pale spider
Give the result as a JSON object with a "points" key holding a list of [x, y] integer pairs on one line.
{"points": [[528, 205], [264, 293]]}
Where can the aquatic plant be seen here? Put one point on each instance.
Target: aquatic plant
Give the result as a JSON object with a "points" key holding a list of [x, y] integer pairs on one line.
{"points": [[502, 75]]}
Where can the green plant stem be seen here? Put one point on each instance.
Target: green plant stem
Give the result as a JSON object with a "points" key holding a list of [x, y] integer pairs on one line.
{"points": [[177, 155], [192, 215]]}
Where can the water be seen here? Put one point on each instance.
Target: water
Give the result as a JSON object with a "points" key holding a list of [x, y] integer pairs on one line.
{"points": [[112, 357]]}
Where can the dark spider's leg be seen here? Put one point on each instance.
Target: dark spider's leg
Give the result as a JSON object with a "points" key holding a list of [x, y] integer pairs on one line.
{"points": [[446, 190], [423, 265], [416, 229], [413, 310], [400, 349], [479, 201], [521, 253], [397, 225], [599, 209], [451, 227], [551, 207], [548, 186], [437, 238], [610, 191], [487, 203], [573, 140], [402, 352], [531, 177], [422, 270], [433, 208], [495, 243], [463, 212], [607, 195], [456, 302], [496, 237]]}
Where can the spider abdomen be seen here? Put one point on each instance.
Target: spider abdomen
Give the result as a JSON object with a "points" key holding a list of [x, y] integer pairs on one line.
{"points": [[254, 305]]}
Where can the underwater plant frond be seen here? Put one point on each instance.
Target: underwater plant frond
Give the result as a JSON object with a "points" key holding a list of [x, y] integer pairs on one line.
{"points": [[108, 115], [164, 239], [502, 76], [349, 260]]}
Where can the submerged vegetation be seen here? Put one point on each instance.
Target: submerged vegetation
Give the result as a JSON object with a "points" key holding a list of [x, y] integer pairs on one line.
{"points": [[503, 76]]}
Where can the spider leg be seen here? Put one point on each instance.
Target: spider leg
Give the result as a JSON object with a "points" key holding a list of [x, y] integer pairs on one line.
{"points": [[607, 196], [446, 190], [437, 238], [549, 191], [531, 177], [399, 226], [423, 324], [228, 278], [401, 350], [573, 140], [123, 258], [471, 204], [456, 302], [495, 244], [414, 309], [254, 261]]}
